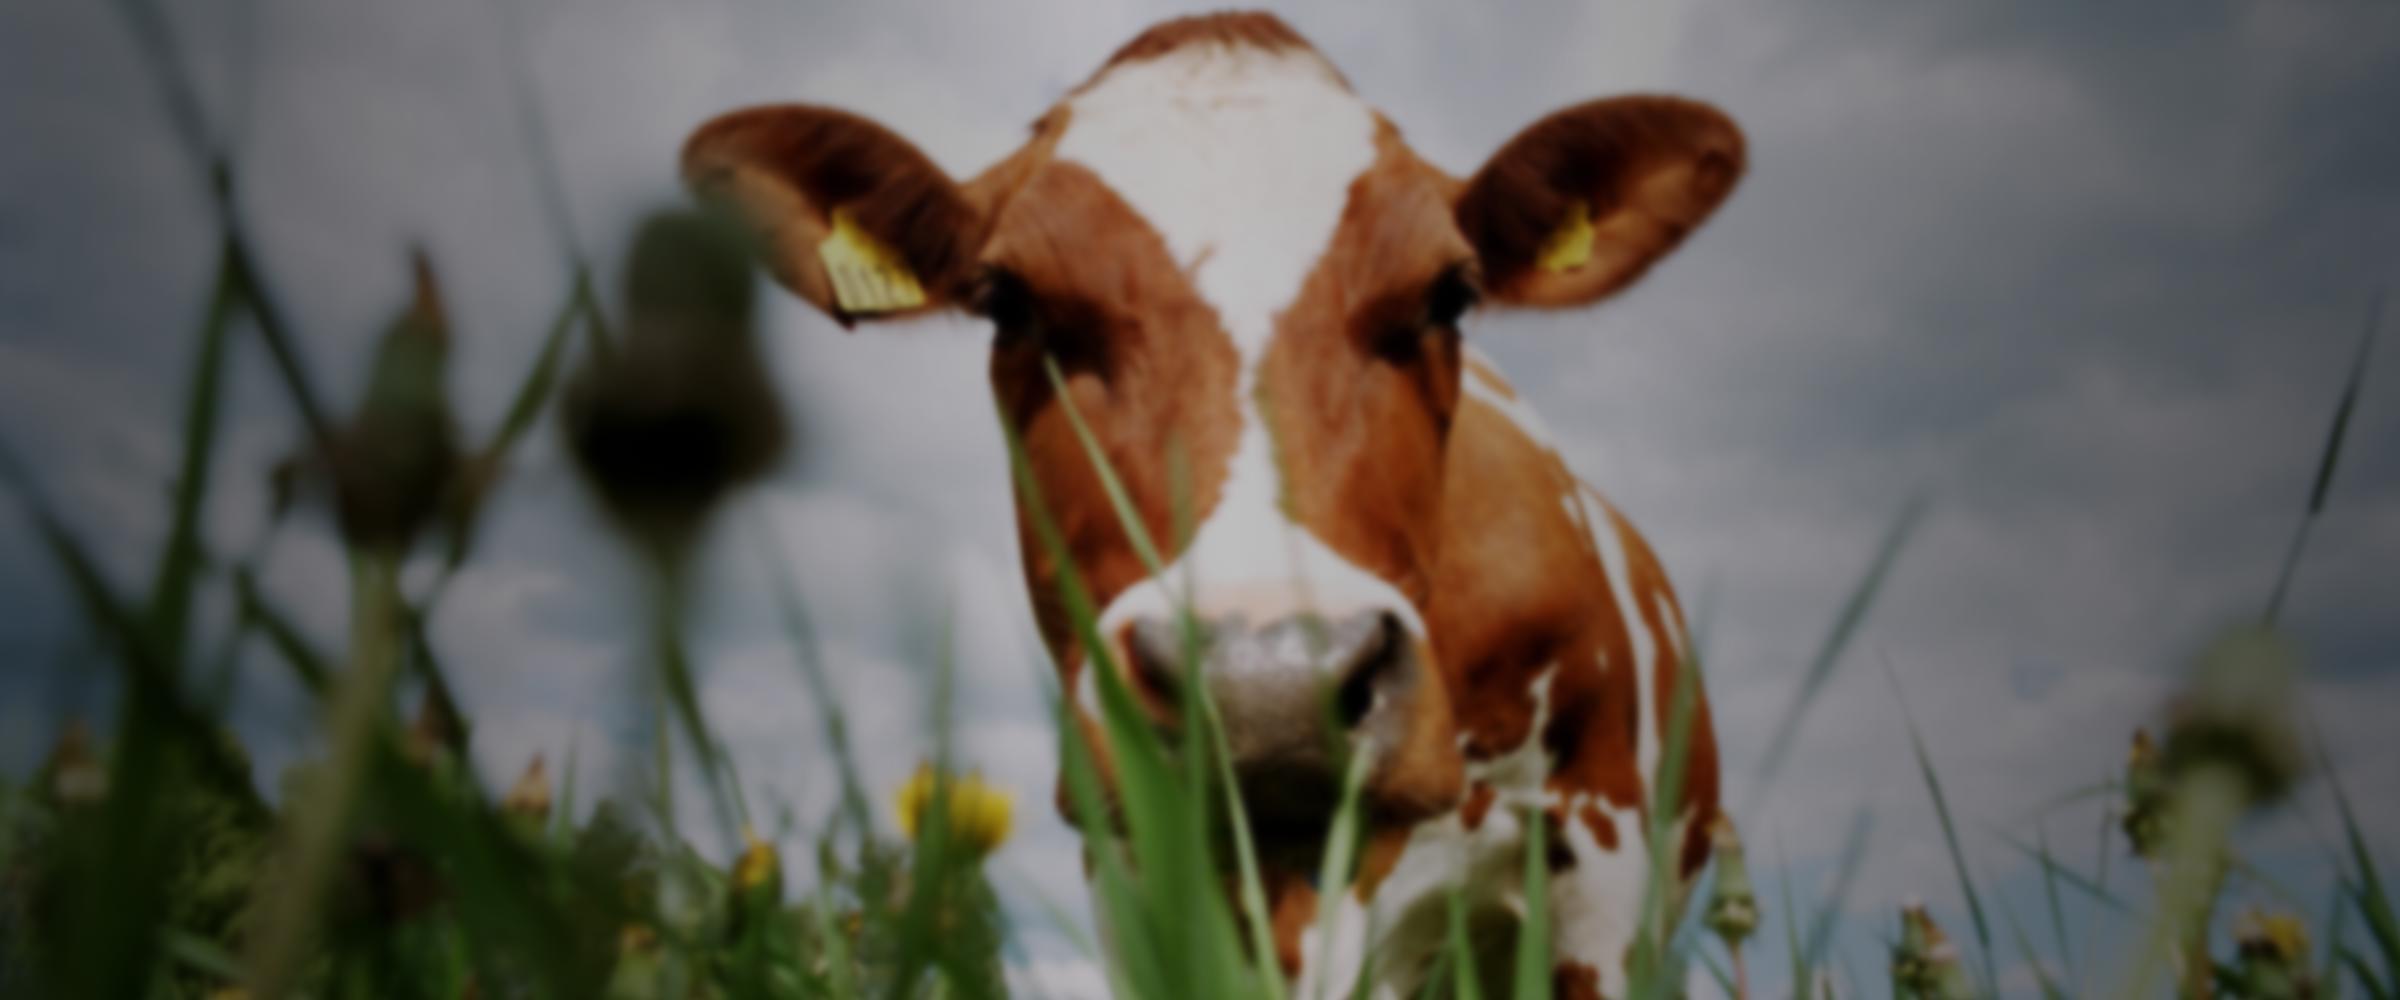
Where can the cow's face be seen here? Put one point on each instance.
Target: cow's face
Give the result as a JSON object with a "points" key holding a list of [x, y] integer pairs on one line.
{"points": [[1230, 273]]}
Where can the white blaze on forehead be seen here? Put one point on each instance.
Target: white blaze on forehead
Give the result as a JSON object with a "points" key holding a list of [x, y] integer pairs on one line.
{"points": [[1241, 158]]}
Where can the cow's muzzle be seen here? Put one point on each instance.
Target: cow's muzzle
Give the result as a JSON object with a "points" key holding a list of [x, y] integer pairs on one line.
{"points": [[1297, 696]]}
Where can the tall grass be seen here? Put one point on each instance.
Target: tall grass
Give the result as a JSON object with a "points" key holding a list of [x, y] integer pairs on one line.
{"points": [[153, 866]]}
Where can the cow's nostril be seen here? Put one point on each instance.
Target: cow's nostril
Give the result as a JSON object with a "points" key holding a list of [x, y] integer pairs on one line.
{"points": [[1365, 667]]}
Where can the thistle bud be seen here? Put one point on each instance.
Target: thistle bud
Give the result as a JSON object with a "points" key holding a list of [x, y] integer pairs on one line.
{"points": [[1732, 905], [682, 412], [2145, 822], [2237, 714], [529, 799], [438, 733], [393, 464], [1924, 962], [74, 775]]}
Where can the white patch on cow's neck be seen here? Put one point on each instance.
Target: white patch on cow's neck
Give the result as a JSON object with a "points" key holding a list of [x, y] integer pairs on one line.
{"points": [[1330, 957], [1241, 158], [1609, 543], [1410, 911], [1596, 906]]}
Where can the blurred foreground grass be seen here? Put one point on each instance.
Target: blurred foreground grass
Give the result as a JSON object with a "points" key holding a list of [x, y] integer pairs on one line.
{"points": [[144, 862]]}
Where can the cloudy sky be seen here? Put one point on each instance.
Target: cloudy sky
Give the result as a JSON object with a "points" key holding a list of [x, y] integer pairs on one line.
{"points": [[2086, 276]]}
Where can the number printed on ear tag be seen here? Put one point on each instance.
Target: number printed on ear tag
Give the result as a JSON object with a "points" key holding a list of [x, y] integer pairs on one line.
{"points": [[1570, 245], [868, 277]]}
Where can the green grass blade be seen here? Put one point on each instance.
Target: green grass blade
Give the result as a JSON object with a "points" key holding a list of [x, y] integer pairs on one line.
{"points": [[533, 394], [2337, 913], [202, 955], [1724, 979], [810, 655], [841, 978], [2041, 976], [534, 128], [683, 696], [2052, 868], [315, 829], [2367, 892], [562, 819], [113, 920], [1829, 652], [1186, 940], [1127, 514], [180, 559], [2328, 461], [308, 665], [1465, 982], [1199, 704], [2365, 974], [1532, 978], [1652, 971], [526, 406], [1801, 973], [2058, 911], [2097, 790], [1958, 856], [282, 345], [1821, 925], [1334, 867]]}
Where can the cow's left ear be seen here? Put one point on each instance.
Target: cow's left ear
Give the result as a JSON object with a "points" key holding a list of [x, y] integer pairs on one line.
{"points": [[848, 215], [1582, 202]]}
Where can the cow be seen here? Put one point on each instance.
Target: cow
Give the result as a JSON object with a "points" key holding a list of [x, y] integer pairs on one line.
{"points": [[1251, 289]]}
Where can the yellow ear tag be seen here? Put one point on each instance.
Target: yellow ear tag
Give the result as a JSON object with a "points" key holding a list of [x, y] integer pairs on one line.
{"points": [[868, 277], [1570, 246]]}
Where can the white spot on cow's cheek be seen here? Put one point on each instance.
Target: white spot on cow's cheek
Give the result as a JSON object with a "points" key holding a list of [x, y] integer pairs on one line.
{"points": [[1242, 160]]}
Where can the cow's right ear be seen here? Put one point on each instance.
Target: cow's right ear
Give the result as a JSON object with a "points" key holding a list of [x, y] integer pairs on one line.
{"points": [[848, 215]]}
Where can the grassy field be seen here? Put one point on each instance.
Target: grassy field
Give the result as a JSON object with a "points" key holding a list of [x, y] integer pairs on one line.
{"points": [[145, 861]]}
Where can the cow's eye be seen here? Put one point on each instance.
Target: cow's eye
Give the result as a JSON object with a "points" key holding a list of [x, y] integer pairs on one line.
{"points": [[1003, 298], [1450, 297]]}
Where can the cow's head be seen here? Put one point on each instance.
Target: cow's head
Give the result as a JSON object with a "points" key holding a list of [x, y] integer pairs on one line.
{"points": [[1251, 290]]}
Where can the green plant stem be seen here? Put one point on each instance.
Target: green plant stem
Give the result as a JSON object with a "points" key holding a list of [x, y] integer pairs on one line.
{"points": [[2207, 802], [319, 822]]}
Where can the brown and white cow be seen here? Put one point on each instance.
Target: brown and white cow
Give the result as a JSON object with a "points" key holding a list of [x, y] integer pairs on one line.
{"points": [[1253, 291]]}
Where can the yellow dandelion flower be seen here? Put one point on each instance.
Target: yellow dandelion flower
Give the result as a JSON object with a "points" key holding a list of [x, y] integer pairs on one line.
{"points": [[759, 865], [2289, 936], [2276, 935], [980, 815]]}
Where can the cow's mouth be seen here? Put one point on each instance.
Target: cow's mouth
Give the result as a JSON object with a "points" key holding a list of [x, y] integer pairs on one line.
{"points": [[1296, 705]]}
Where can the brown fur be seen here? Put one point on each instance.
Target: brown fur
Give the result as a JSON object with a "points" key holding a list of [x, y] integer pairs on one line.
{"points": [[1147, 367], [1254, 29], [789, 167], [1575, 981], [1649, 169], [1384, 458]]}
